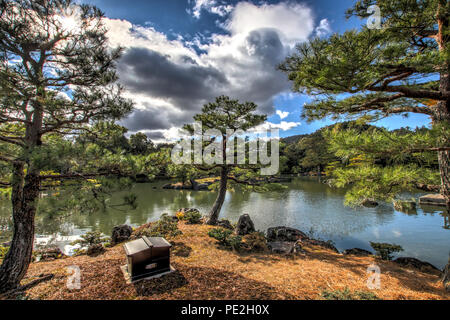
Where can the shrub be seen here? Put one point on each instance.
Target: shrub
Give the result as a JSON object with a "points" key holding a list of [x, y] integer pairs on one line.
{"points": [[255, 241], [165, 227], [385, 250], [91, 238], [3, 252], [346, 294], [220, 235], [193, 216], [226, 239]]}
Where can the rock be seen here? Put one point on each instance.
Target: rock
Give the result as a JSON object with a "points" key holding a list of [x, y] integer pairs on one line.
{"points": [[285, 234], [95, 250], [446, 276], [202, 187], [281, 247], [225, 224], [369, 203], [121, 234], [320, 243], [245, 225], [433, 200], [357, 252], [417, 264]]}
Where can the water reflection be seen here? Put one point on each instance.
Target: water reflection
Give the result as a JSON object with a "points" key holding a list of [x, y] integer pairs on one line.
{"points": [[306, 205]]}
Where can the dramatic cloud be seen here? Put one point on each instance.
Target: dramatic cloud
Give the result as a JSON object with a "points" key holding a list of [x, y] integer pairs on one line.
{"points": [[170, 80], [294, 22]]}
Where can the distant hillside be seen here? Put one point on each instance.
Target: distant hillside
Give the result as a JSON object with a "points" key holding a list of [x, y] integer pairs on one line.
{"points": [[293, 139]]}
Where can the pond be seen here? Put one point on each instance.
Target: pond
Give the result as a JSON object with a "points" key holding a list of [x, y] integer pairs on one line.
{"points": [[306, 204]]}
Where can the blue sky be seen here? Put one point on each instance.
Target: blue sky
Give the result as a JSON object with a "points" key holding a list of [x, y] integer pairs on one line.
{"points": [[181, 54]]}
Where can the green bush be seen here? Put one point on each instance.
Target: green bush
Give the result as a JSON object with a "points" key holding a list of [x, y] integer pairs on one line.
{"points": [[226, 239], [165, 227], [3, 252], [91, 238], [193, 216], [346, 294], [220, 235], [385, 250]]}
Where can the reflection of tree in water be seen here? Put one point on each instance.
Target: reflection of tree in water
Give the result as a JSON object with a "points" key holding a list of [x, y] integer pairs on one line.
{"points": [[305, 205], [444, 213], [446, 221]]}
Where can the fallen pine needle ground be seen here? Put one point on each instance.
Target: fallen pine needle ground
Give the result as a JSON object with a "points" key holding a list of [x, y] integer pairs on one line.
{"points": [[207, 272]]}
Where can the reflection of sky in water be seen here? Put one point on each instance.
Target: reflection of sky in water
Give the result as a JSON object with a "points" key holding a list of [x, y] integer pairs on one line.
{"points": [[306, 205]]}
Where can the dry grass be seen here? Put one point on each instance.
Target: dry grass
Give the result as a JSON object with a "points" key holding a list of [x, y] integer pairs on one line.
{"points": [[206, 272]]}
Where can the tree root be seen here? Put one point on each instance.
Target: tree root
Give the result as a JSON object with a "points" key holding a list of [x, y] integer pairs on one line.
{"points": [[15, 292]]}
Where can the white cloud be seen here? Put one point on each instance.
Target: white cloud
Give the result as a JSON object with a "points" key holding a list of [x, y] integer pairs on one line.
{"points": [[294, 22], [323, 28], [282, 115], [213, 6], [283, 126]]}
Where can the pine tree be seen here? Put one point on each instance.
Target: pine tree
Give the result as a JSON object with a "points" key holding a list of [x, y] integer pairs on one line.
{"points": [[369, 74], [57, 76]]}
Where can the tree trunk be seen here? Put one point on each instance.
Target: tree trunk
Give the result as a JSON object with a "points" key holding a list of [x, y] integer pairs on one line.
{"points": [[446, 277], [442, 114], [24, 198], [213, 216]]}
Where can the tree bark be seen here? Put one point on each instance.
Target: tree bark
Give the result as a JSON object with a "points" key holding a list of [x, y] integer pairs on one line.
{"points": [[213, 216], [24, 200], [442, 113]]}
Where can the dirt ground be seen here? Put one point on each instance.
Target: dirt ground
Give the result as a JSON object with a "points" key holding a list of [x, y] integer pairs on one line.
{"points": [[203, 271]]}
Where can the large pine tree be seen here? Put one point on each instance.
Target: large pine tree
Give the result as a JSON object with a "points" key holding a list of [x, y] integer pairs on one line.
{"points": [[57, 75], [368, 74]]}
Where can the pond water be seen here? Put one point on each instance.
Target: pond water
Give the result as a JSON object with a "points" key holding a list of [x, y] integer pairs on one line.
{"points": [[307, 204]]}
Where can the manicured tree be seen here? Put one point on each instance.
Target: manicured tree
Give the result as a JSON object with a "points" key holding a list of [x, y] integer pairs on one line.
{"points": [[222, 115], [57, 76], [141, 144], [401, 68]]}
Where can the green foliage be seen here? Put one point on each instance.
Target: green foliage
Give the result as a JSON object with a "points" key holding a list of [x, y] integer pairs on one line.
{"points": [[220, 235], [346, 294], [385, 250], [255, 241], [226, 238], [193, 216], [91, 238], [367, 75], [165, 227], [379, 183]]}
